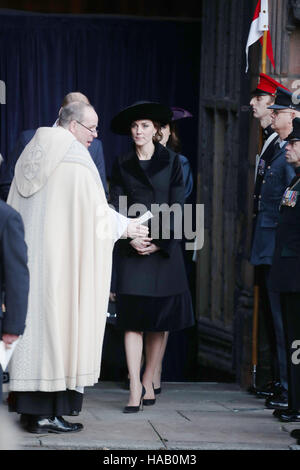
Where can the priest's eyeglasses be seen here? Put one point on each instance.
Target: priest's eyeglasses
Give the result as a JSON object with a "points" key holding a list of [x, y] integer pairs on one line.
{"points": [[93, 130]]}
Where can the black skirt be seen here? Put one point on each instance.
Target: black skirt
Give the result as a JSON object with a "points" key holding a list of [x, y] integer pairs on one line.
{"points": [[143, 313], [45, 403]]}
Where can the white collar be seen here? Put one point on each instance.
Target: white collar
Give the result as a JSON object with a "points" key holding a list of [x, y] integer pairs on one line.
{"points": [[281, 143]]}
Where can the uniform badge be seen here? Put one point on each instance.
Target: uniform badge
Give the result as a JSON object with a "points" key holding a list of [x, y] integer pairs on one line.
{"points": [[261, 167], [289, 198]]}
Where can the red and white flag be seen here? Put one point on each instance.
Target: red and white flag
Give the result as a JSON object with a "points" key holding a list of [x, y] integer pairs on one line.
{"points": [[260, 23]]}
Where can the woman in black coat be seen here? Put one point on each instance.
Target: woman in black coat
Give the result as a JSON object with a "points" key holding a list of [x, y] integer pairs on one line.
{"points": [[152, 288]]}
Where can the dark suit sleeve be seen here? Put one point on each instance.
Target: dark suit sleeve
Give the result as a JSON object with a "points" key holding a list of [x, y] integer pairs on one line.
{"points": [[115, 190], [5, 179], [7, 169], [187, 176], [177, 196], [100, 164], [116, 186], [16, 275]]}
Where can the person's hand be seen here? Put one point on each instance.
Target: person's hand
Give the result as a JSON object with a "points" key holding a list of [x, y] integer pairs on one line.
{"points": [[146, 248], [151, 249], [9, 339], [135, 230], [139, 244]]}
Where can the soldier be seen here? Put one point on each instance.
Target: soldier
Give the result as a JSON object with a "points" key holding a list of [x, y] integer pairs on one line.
{"points": [[285, 274], [271, 177]]}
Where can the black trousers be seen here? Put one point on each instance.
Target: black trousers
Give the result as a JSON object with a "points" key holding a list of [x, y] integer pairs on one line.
{"points": [[45, 403], [272, 312], [290, 303]]}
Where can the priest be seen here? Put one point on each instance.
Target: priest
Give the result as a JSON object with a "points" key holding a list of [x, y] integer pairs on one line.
{"points": [[70, 231]]}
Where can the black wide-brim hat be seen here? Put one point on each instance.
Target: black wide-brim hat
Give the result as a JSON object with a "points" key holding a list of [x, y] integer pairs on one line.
{"points": [[295, 134], [158, 112]]}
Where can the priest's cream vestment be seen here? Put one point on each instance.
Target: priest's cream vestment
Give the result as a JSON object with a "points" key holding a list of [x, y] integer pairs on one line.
{"points": [[70, 232]]}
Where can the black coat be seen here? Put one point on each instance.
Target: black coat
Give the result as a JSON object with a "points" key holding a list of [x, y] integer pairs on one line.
{"points": [[14, 274], [163, 272], [285, 271]]}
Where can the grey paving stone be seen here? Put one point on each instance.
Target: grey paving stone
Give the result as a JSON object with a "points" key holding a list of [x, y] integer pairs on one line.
{"points": [[186, 416]]}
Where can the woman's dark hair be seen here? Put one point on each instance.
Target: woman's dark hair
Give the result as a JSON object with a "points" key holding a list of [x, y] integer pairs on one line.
{"points": [[158, 136], [174, 142]]}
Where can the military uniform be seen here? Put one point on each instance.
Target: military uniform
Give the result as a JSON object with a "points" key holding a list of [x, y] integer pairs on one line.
{"points": [[285, 279], [272, 175]]}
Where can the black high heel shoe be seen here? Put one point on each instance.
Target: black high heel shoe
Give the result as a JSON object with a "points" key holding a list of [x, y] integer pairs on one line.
{"points": [[149, 401], [135, 409]]}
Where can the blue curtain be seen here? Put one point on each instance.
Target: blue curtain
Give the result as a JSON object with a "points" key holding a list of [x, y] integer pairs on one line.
{"points": [[115, 61]]}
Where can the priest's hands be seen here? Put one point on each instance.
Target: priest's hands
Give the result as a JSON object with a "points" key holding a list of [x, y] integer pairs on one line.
{"points": [[136, 230], [140, 240]]}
